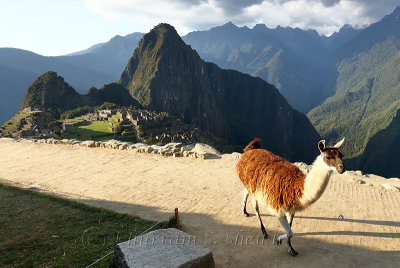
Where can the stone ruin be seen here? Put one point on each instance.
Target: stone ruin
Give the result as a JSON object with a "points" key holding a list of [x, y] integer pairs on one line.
{"points": [[38, 121]]}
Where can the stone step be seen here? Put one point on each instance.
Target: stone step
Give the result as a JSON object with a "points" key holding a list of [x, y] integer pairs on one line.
{"points": [[162, 248]]}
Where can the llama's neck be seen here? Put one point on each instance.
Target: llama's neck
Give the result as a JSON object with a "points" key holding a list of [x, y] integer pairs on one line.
{"points": [[315, 182]]}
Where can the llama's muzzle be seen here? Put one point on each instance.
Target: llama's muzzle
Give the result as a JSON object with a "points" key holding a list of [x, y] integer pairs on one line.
{"points": [[340, 168]]}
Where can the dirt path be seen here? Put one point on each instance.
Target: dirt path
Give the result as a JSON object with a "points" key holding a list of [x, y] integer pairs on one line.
{"points": [[351, 225]]}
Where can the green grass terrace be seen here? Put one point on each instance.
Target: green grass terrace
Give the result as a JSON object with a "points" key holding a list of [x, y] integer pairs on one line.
{"points": [[95, 130], [39, 230]]}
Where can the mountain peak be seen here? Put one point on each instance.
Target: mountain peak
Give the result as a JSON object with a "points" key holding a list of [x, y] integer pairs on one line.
{"points": [[50, 90], [161, 44], [164, 27], [159, 34], [396, 11], [230, 24], [260, 27]]}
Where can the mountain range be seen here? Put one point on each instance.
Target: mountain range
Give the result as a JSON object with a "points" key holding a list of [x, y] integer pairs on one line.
{"points": [[103, 63], [347, 83]]}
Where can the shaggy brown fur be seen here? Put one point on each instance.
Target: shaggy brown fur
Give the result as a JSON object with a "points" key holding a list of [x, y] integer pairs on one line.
{"points": [[279, 181], [254, 144]]}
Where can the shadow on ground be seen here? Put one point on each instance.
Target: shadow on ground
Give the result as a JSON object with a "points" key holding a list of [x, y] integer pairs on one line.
{"points": [[241, 246]]}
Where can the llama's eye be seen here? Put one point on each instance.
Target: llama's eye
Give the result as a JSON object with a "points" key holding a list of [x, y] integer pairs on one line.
{"points": [[328, 157]]}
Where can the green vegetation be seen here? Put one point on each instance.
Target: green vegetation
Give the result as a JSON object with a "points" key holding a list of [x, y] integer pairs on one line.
{"points": [[127, 135], [74, 120], [96, 130], [39, 230], [75, 112], [151, 141], [112, 93], [118, 129], [366, 99], [107, 106], [88, 131], [381, 155]]}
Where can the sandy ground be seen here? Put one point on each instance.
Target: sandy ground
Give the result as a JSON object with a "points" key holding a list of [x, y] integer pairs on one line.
{"points": [[352, 225]]}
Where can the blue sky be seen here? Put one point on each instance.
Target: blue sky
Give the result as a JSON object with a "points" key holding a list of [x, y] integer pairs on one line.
{"points": [[57, 27]]}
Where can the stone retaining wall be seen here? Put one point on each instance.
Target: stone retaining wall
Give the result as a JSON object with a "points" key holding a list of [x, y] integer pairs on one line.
{"points": [[198, 150]]}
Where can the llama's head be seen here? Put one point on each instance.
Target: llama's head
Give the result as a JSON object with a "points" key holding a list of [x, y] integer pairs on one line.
{"points": [[331, 156]]}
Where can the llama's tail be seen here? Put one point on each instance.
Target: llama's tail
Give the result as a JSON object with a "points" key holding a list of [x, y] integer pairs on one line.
{"points": [[254, 144]]}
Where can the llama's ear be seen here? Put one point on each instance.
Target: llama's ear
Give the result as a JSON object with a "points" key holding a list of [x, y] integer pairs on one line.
{"points": [[321, 145], [337, 145]]}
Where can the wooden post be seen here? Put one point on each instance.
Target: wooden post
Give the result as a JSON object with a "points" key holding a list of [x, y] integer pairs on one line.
{"points": [[177, 218]]}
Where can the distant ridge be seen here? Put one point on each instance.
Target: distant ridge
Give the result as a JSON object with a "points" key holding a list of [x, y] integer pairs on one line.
{"points": [[285, 57]]}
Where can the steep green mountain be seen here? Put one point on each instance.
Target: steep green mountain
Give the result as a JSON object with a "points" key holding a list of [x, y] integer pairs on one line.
{"points": [[50, 91], [288, 58], [382, 155], [367, 87], [165, 74]]}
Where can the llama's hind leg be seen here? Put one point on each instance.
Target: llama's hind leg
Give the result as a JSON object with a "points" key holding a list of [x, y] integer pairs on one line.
{"points": [[264, 232], [288, 235], [245, 196]]}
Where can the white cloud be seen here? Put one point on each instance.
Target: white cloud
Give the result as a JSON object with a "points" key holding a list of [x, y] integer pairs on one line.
{"points": [[326, 16]]}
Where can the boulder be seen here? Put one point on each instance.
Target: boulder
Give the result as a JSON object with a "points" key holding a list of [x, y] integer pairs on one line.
{"points": [[148, 150], [162, 248], [88, 144], [373, 176], [390, 187], [123, 146], [357, 181], [236, 155], [206, 156], [205, 148], [354, 172], [187, 148]]}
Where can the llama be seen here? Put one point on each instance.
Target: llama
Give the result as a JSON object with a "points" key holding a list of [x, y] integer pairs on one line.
{"points": [[282, 185]]}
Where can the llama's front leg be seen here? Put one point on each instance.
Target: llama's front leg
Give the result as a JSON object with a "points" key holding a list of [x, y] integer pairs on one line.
{"points": [[264, 232], [288, 234], [290, 217], [245, 196]]}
